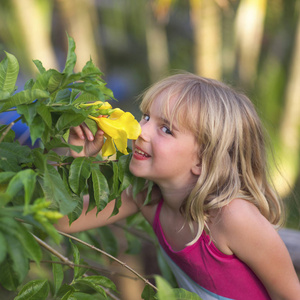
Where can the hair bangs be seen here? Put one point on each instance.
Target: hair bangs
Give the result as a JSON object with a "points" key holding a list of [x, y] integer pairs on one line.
{"points": [[181, 105]]}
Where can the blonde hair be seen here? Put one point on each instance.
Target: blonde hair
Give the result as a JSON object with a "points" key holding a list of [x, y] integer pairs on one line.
{"points": [[231, 145]]}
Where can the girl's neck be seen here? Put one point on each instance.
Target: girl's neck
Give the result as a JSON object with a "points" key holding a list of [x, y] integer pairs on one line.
{"points": [[174, 197]]}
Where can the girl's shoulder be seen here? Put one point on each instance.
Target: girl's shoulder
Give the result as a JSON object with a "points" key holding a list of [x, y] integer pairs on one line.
{"points": [[240, 213], [238, 219]]}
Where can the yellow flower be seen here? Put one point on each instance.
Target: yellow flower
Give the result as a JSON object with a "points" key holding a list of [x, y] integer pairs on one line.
{"points": [[118, 127]]}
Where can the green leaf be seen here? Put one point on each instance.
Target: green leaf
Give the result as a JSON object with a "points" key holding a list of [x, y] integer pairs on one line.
{"points": [[44, 112], [182, 294], [9, 70], [29, 244], [76, 256], [6, 176], [148, 293], [65, 292], [42, 80], [24, 179], [56, 191], [138, 185], [63, 96], [165, 290], [97, 288], [55, 81], [58, 274], [96, 281], [23, 97], [90, 68], [115, 183], [20, 235], [12, 155], [71, 57], [37, 128], [4, 95], [4, 198], [85, 97], [125, 176], [39, 159], [3, 247], [9, 136], [85, 296], [35, 289], [75, 214], [149, 192], [8, 278], [29, 84], [20, 262], [80, 171], [69, 119], [89, 88], [39, 66], [28, 111], [100, 188], [57, 142]]}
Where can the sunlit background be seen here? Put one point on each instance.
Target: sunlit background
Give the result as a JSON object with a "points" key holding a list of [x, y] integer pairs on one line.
{"points": [[253, 45]]}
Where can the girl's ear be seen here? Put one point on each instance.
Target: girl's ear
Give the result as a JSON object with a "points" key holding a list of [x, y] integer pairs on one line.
{"points": [[196, 170]]}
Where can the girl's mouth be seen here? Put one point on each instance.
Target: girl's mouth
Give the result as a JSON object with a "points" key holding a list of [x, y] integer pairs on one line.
{"points": [[139, 151]]}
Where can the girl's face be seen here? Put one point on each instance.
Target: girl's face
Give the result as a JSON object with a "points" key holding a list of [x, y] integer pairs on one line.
{"points": [[169, 157]]}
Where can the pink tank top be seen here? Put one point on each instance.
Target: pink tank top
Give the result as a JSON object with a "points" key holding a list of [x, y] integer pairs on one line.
{"points": [[209, 271]]}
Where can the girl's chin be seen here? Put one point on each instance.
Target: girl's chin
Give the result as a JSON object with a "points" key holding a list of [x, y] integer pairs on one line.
{"points": [[136, 171], [133, 170]]}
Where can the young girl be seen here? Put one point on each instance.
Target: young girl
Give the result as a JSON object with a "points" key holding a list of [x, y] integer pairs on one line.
{"points": [[212, 208]]}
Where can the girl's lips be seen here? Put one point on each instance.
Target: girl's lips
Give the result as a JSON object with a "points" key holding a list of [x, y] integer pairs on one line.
{"points": [[140, 154]]}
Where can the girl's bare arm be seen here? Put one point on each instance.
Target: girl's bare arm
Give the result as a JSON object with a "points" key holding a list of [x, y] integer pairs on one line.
{"points": [[92, 220], [254, 240]]}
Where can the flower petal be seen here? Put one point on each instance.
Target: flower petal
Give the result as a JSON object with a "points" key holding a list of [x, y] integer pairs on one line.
{"points": [[118, 127], [121, 145], [116, 114], [108, 148], [131, 125], [119, 135]]}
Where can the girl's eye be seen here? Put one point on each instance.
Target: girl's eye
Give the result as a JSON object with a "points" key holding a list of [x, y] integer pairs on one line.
{"points": [[166, 130], [146, 117]]}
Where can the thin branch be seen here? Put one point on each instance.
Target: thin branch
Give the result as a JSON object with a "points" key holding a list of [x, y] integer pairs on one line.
{"points": [[9, 126], [94, 162], [6, 131], [110, 256], [68, 262]]}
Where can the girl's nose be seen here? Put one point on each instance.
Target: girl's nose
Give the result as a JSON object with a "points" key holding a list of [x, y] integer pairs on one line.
{"points": [[145, 133]]}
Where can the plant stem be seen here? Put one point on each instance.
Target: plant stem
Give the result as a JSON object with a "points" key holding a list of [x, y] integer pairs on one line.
{"points": [[9, 126], [68, 262], [110, 256], [6, 131], [94, 162]]}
